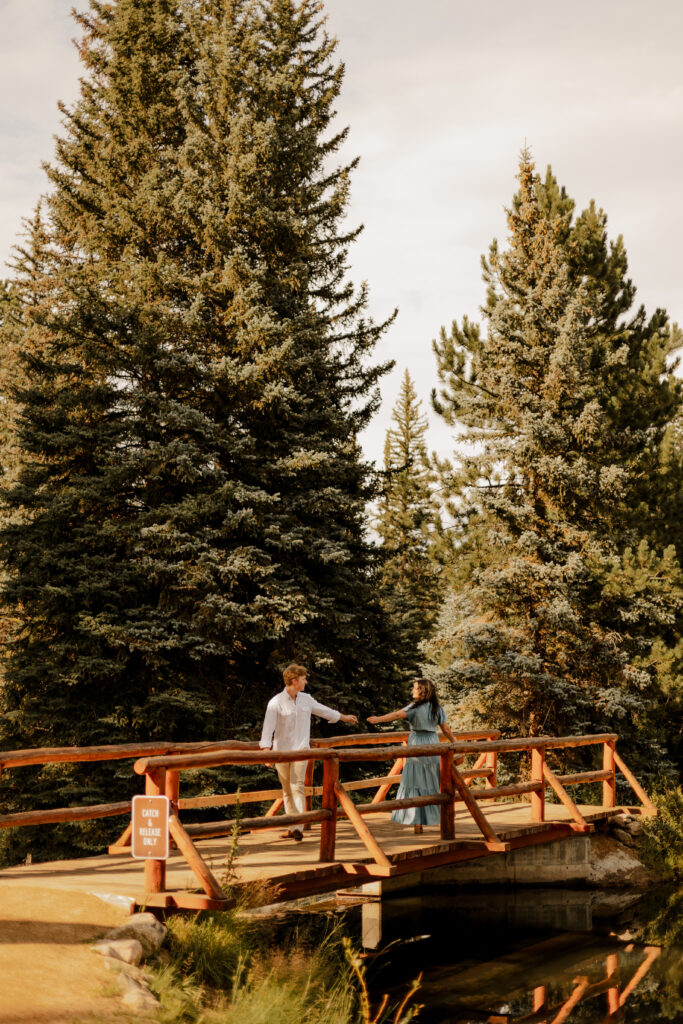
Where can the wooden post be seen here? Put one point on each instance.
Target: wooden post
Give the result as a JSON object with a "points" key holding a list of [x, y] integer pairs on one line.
{"points": [[539, 997], [481, 762], [635, 785], [308, 781], [173, 789], [473, 807], [538, 775], [396, 769], [173, 792], [203, 873], [612, 965], [328, 828], [123, 843], [447, 787], [609, 786], [364, 833], [492, 762], [275, 807], [565, 798], [155, 870]]}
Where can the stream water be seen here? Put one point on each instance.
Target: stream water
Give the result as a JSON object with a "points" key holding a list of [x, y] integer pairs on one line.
{"points": [[532, 955]]}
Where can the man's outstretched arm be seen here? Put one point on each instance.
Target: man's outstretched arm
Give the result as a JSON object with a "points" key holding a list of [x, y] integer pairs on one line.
{"points": [[322, 711]]}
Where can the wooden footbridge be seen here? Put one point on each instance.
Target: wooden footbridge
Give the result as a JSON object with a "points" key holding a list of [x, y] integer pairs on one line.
{"points": [[347, 843]]}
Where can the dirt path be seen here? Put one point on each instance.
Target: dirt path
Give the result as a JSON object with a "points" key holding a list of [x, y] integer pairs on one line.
{"points": [[48, 975]]}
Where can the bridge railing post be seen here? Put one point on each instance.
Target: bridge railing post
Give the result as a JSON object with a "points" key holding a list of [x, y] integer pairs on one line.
{"points": [[447, 789], [538, 775], [492, 763], [609, 786], [155, 870], [308, 783], [328, 827]]}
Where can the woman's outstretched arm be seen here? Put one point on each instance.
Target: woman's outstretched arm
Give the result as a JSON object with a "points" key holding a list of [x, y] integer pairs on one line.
{"points": [[391, 716], [446, 730]]}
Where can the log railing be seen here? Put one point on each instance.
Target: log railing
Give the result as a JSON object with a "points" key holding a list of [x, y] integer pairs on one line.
{"points": [[11, 759], [484, 768], [163, 775], [162, 765]]}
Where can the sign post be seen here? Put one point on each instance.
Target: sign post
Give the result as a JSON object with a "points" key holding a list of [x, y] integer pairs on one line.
{"points": [[150, 827]]}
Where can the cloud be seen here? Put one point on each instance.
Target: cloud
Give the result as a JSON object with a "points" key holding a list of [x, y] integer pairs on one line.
{"points": [[38, 66], [440, 97]]}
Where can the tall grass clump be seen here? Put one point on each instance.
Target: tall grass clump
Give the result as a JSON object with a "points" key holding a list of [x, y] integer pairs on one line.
{"points": [[325, 985], [228, 969], [661, 841], [207, 950]]}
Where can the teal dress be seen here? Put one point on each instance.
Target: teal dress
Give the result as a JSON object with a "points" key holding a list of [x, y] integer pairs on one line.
{"points": [[421, 775]]}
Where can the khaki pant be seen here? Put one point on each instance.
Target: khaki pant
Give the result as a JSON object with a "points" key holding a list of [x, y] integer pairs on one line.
{"points": [[292, 775]]}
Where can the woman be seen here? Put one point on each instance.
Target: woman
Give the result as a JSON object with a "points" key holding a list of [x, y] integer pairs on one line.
{"points": [[421, 775]]}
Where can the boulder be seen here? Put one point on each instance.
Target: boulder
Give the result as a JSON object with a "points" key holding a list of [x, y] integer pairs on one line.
{"points": [[633, 824], [144, 928], [615, 866], [128, 950], [119, 967], [136, 995], [623, 836]]}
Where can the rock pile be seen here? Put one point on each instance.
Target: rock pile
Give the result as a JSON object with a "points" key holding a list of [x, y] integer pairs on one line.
{"points": [[614, 860], [124, 948]]}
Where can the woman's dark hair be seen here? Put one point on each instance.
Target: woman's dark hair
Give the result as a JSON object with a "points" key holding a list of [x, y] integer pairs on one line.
{"points": [[428, 695]]}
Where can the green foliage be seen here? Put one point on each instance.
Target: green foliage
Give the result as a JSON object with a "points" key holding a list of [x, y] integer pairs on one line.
{"points": [[189, 512], [664, 926], [562, 601], [229, 968], [408, 524], [661, 842], [208, 950]]}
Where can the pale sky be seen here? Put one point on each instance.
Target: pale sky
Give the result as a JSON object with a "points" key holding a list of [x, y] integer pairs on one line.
{"points": [[440, 96]]}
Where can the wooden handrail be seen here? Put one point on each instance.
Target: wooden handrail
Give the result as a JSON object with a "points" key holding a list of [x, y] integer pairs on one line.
{"points": [[374, 739], [580, 777], [57, 814], [122, 751], [209, 829], [214, 759], [513, 789], [113, 752]]}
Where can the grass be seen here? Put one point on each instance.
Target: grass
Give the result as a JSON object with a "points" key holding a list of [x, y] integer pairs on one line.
{"points": [[229, 969]]}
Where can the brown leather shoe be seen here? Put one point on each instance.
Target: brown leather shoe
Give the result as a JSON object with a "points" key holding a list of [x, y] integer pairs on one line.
{"points": [[292, 834]]}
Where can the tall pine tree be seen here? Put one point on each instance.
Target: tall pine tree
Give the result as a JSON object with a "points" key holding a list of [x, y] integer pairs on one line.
{"points": [[563, 403], [408, 525], [194, 487]]}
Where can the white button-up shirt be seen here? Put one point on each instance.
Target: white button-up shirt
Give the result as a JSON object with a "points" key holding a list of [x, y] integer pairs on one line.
{"points": [[287, 725]]}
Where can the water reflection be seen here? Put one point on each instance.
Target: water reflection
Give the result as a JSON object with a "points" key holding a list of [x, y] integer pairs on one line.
{"points": [[538, 956]]}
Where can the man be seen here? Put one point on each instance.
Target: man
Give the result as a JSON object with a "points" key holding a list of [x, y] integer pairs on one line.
{"points": [[287, 726]]}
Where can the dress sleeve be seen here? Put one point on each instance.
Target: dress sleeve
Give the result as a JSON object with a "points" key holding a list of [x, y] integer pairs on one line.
{"points": [[441, 717], [410, 711]]}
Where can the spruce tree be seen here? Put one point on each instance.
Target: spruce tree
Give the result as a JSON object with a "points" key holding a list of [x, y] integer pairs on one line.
{"points": [[563, 404], [194, 485], [408, 525]]}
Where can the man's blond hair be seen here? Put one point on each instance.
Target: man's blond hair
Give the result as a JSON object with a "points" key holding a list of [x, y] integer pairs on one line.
{"points": [[293, 672]]}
